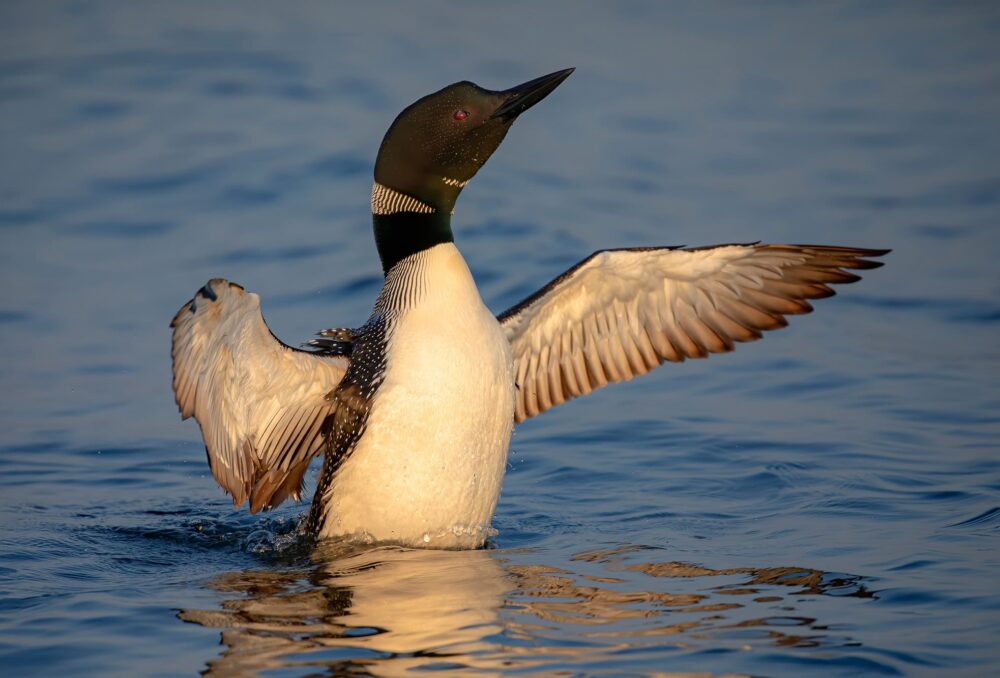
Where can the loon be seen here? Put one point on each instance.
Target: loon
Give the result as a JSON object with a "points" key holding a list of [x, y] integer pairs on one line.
{"points": [[414, 410]]}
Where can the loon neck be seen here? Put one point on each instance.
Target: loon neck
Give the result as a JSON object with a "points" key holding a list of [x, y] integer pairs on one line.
{"points": [[404, 225], [399, 235]]}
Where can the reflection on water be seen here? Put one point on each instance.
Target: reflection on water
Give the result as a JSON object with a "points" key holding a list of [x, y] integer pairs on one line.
{"points": [[389, 610], [385, 606]]}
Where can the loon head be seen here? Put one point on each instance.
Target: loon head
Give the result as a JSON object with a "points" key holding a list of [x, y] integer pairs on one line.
{"points": [[437, 144]]}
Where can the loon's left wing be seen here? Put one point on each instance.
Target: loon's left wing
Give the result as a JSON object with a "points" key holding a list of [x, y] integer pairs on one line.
{"points": [[261, 404], [620, 313]]}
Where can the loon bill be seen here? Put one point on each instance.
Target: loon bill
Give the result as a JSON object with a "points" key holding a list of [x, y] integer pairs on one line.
{"points": [[414, 410]]}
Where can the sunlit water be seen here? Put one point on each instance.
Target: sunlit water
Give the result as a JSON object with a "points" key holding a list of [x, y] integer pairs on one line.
{"points": [[826, 501]]}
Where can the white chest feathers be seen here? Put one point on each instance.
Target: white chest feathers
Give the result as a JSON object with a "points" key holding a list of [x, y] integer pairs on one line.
{"points": [[429, 467]]}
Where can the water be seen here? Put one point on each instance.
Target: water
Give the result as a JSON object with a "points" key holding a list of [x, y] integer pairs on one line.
{"points": [[826, 501]]}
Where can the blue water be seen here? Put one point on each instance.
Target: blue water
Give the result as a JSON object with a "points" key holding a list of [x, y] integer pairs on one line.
{"points": [[823, 502]]}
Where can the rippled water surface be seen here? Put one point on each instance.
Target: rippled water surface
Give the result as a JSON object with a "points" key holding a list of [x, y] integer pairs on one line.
{"points": [[824, 502]]}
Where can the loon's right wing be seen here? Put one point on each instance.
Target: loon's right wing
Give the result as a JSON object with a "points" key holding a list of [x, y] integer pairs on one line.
{"points": [[260, 404], [620, 313]]}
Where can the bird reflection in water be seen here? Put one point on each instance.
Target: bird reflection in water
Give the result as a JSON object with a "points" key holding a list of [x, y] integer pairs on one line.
{"points": [[387, 610]]}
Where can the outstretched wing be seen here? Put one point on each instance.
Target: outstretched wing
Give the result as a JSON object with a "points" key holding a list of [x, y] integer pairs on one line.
{"points": [[260, 404], [620, 313]]}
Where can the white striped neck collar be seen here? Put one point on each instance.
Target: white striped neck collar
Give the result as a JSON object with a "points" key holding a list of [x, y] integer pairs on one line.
{"points": [[387, 201]]}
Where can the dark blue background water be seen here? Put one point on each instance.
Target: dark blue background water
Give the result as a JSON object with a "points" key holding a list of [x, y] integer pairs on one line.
{"points": [[826, 501]]}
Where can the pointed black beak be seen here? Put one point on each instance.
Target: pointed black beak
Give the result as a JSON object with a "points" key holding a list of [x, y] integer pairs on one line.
{"points": [[524, 96]]}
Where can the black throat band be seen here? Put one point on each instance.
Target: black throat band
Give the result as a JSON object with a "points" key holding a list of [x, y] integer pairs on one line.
{"points": [[399, 235]]}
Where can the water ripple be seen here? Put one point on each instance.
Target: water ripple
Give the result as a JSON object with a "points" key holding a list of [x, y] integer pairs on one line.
{"points": [[990, 518], [822, 502]]}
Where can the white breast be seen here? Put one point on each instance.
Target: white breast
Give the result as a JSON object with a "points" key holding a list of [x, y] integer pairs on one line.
{"points": [[428, 469]]}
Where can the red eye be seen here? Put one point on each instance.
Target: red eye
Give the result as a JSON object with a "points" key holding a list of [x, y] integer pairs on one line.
{"points": [[460, 115]]}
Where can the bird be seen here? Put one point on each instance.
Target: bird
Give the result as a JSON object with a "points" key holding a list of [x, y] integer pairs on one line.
{"points": [[413, 411]]}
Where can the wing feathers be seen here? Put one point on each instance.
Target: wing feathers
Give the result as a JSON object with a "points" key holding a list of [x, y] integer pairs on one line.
{"points": [[260, 403], [620, 313]]}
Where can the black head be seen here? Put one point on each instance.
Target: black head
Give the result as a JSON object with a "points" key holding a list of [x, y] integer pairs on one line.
{"points": [[436, 145]]}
